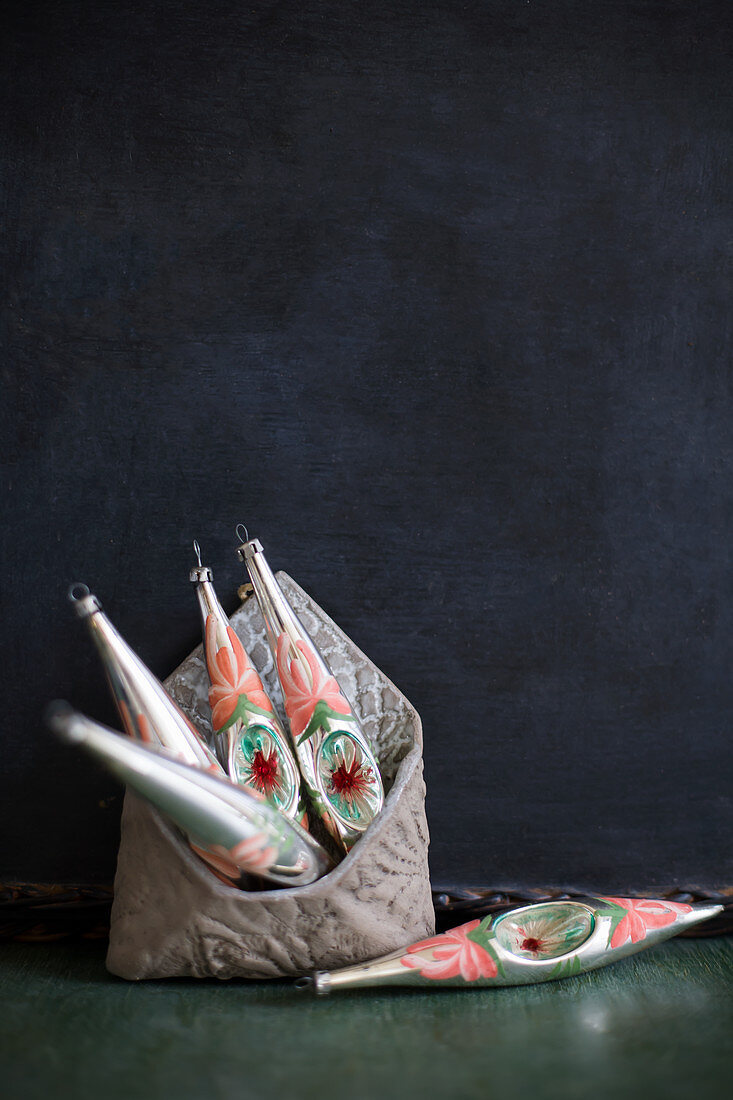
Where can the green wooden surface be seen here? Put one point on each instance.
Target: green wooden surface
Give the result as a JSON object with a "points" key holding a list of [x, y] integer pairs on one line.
{"points": [[657, 1025]]}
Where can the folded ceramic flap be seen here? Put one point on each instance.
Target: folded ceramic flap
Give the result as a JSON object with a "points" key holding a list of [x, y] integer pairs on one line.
{"points": [[172, 917]]}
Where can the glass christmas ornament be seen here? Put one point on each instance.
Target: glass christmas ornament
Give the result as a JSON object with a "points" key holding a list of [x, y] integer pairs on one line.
{"points": [[335, 757], [147, 711], [250, 738], [536, 943], [236, 833]]}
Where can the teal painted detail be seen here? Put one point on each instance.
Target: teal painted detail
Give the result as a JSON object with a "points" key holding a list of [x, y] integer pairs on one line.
{"points": [[259, 762], [350, 781], [545, 931]]}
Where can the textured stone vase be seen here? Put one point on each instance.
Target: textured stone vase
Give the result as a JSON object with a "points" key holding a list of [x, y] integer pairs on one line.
{"points": [[172, 918]]}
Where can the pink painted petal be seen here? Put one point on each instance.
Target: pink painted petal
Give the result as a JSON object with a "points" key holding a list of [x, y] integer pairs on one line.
{"points": [[299, 715], [218, 858], [313, 665], [222, 711], [254, 854], [247, 849], [476, 963], [451, 936], [620, 933], [217, 692], [299, 678], [453, 955], [210, 649], [447, 951], [283, 646], [450, 968], [469, 968], [240, 654], [642, 915], [333, 698], [144, 727], [260, 699], [127, 721], [227, 665], [655, 914], [249, 682]]}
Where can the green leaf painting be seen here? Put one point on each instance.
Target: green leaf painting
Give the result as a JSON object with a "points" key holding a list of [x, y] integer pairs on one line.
{"points": [[322, 713], [242, 711], [616, 914], [566, 968], [484, 936]]}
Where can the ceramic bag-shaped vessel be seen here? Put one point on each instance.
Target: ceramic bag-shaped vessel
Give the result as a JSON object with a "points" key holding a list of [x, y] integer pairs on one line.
{"points": [[172, 918]]}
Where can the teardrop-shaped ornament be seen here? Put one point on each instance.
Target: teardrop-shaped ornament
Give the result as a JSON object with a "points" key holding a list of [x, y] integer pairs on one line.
{"points": [[335, 757], [535, 943], [147, 711], [250, 738], [234, 832]]}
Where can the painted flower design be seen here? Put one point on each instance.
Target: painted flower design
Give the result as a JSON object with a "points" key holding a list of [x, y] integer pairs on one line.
{"points": [[255, 854], [302, 691], [259, 765], [452, 955], [546, 932], [643, 915], [232, 675], [348, 777]]}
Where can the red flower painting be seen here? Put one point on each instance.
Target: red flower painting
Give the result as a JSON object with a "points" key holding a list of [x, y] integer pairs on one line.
{"points": [[643, 915], [303, 689], [231, 675], [454, 955]]}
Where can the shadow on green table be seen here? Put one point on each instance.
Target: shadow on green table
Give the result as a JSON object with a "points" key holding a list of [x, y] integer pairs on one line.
{"points": [[656, 1025]]}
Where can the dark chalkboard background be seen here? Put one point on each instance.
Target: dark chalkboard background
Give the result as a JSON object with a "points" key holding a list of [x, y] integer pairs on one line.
{"points": [[435, 298]]}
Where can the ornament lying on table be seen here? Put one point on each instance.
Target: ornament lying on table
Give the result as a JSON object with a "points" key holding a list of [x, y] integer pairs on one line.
{"points": [[536, 943], [336, 760], [236, 833], [250, 736]]}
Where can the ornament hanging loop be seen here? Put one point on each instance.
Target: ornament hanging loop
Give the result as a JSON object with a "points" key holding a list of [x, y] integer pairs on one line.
{"points": [[199, 572], [83, 602], [78, 591]]}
